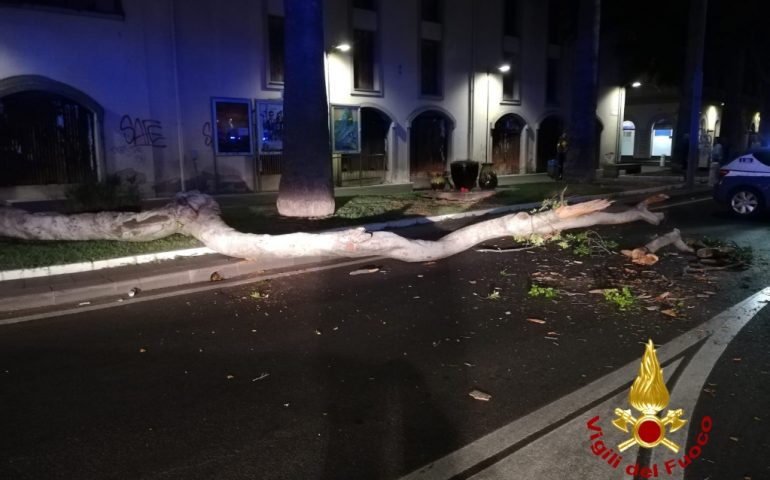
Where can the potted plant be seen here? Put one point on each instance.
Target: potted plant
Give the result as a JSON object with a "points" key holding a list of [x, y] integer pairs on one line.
{"points": [[487, 177], [437, 181], [464, 173]]}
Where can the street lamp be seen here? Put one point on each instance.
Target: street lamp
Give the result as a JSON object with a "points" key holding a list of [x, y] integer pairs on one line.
{"points": [[636, 84], [343, 47]]}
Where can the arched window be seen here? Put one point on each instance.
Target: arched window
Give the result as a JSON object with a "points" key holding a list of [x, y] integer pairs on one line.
{"points": [[627, 139], [506, 144], [662, 134], [46, 138], [547, 136], [429, 142]]}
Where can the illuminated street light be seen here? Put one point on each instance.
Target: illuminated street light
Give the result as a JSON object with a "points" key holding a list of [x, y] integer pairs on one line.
{"points": [[636, 84], [504, 68], [342, 47]]}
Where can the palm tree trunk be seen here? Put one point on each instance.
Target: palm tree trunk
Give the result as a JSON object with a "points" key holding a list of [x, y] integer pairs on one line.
{"points": [[580, 166], [306, 188], [692, 89]]}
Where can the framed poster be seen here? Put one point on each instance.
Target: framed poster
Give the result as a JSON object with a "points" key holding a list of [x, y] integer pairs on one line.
{"points": [[270, 126], [232, 126], [346, 129]]}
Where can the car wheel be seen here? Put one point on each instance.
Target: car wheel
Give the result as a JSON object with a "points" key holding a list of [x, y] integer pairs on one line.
{"points": [[744, 202]]}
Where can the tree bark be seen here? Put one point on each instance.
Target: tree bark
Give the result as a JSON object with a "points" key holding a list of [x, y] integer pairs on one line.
{"points": [[306, 188], [198, 215]]}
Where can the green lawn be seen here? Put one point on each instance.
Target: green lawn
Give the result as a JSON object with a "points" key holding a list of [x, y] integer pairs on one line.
{"points": [[244, 214]]}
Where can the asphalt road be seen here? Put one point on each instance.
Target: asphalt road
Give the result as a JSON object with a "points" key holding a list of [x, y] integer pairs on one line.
{"points": [[329, 375]]}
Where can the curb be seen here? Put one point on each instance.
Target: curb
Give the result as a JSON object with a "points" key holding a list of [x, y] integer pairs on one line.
{"points": [[53, 295]]}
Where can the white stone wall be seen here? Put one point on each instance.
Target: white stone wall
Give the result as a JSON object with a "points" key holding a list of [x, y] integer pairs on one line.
{"points": [[160, 65]]}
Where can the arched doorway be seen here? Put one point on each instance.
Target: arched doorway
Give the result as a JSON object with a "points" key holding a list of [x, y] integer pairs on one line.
{"points": [[429, 140], [370, 166], [506, 144], [50, 133], [547, 136], [46, 138], [662, 135], [627, 139]]}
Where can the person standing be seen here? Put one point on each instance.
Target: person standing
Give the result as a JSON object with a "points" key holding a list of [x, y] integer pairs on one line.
{"points": [[561, 153], [717, 151]]}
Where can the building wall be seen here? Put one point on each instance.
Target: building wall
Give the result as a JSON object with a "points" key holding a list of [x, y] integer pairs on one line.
{"points": [[161, 64]]}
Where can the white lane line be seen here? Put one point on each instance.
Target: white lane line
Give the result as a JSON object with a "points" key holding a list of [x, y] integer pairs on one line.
{"points": [[690, 384], [516, 431]]}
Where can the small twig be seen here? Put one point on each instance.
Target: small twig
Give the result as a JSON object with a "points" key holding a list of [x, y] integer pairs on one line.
{"points": [[688, 269], [504, 250]]}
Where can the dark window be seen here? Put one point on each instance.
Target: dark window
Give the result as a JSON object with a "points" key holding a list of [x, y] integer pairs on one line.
{"points": [[364, 52], [510, 18], [275, 44], [45, 138], [762, 155], [552, 81], [365, 4], [113, 7], [431, 67], [511, 83], [430, 11], [562, 21]]}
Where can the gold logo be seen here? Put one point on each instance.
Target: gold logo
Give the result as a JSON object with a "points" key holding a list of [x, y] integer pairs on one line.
{"points": [[649, 396]]}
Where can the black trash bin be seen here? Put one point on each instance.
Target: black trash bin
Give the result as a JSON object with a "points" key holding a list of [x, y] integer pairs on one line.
{"points": [[554, 169], [464, 173]]}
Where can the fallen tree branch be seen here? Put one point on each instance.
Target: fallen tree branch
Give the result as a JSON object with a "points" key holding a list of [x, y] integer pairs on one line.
{"points": [[646, 254], [197, 215]]}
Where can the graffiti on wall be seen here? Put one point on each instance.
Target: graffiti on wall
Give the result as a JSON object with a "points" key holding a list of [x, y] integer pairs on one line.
{"points": [[142, 132], [206, 131]]}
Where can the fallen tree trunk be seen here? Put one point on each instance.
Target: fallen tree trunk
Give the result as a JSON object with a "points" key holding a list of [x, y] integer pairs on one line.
{"points": [[197, 215], [646, 255]]}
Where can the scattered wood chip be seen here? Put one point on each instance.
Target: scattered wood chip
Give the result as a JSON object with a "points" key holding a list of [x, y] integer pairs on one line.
{"points": [[479, 395], [737, 359], [536, 320], [734, 439], [662, 296], [261, 376], [142, 350], [550, 338], [230, 377], [652, 308], [669, 311], [599, 291]]}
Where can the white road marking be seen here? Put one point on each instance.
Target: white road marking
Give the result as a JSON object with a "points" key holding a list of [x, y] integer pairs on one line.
{"points": [[725, 324]]}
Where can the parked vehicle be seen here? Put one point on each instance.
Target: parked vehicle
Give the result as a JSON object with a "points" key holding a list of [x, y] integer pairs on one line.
{"points": [[744, 183]]}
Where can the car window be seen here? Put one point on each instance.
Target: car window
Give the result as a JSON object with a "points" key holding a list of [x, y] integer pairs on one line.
{"points": [[763, 156]]}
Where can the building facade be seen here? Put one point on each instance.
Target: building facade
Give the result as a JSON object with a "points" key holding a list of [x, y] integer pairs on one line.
{"points": [[179, 95]]}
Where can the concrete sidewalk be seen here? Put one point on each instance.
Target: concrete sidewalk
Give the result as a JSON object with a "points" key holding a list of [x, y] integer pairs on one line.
{"points": [[73, 289]]}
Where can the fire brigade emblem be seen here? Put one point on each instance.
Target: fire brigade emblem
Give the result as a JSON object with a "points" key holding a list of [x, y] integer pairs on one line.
{"points": [[649, 396]]}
